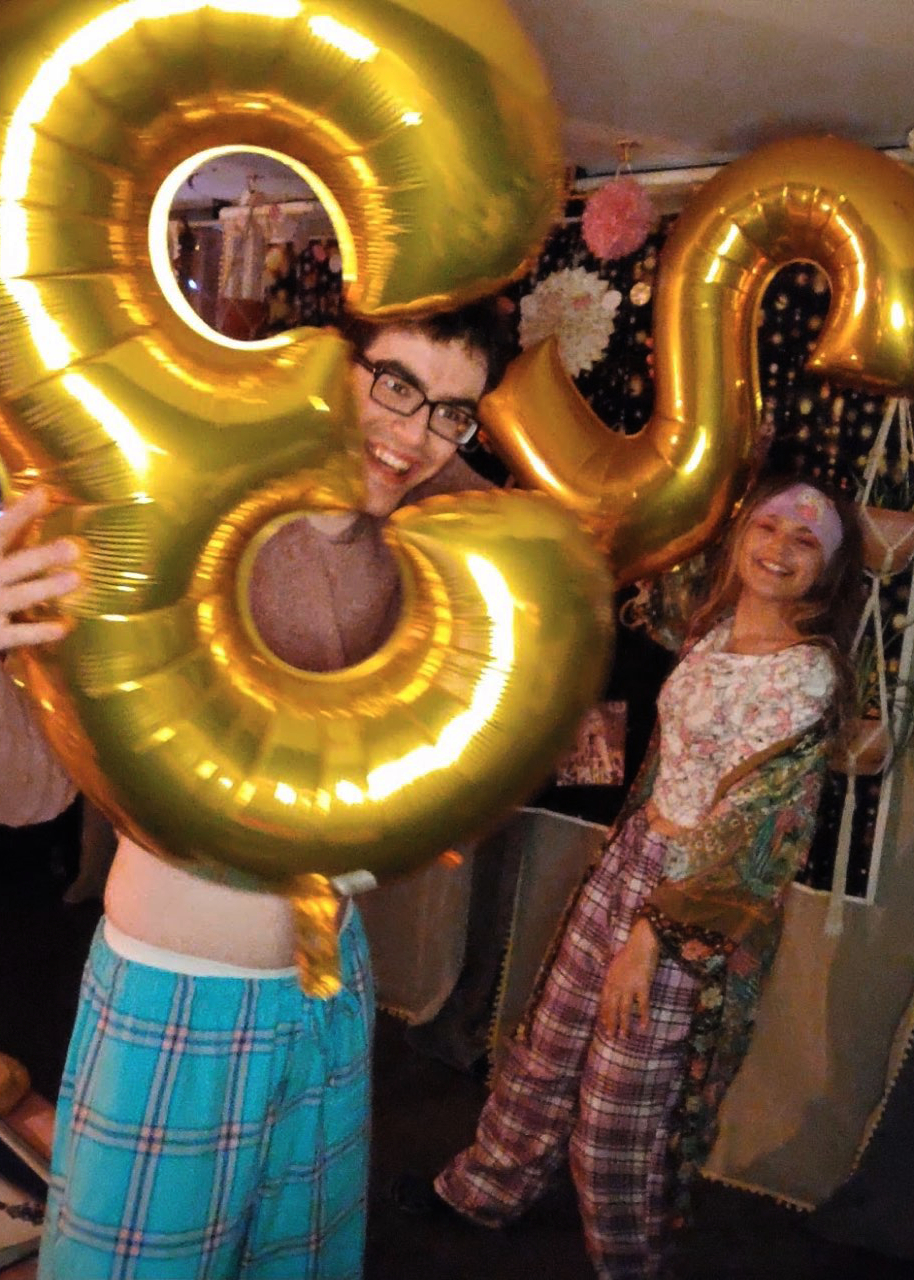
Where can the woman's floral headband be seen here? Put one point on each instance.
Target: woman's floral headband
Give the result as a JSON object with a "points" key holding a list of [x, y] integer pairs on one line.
{"points": [[806, 505]]}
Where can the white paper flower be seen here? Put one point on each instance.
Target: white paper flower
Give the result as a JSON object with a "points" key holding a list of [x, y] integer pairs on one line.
{"points": [[579, 308]]}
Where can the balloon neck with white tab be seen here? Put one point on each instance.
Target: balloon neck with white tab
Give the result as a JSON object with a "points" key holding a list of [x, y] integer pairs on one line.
{"points": [[655, 498], [428, 130]]}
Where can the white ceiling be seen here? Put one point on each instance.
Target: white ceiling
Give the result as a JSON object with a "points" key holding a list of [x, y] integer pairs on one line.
{"points": [[697, 82], [690, 82], [228, 178]]}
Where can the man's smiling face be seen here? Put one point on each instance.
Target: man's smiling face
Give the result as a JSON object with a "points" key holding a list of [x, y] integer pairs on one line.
{"points": [[401, 452]]}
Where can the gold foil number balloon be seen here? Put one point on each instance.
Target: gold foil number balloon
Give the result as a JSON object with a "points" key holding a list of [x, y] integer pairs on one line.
{"points": [[428, 130], [656, 498]]}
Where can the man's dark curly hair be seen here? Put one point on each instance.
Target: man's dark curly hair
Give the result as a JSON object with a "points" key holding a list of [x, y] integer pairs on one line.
{"points": [[479, 326]]}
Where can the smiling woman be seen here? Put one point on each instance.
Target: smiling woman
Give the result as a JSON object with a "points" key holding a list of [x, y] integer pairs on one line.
{"points": [[781, 555], [644, 1012]]}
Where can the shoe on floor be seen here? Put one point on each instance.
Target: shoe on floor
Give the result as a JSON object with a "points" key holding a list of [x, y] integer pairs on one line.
{"points": [[414, 1194]]}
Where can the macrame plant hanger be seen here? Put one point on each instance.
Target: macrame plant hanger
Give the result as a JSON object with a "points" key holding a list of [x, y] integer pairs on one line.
{"points": [[886, 555]]}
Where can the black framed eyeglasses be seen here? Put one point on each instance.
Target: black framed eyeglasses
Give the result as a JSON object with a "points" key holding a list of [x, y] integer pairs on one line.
{"points": [[390, 388]]}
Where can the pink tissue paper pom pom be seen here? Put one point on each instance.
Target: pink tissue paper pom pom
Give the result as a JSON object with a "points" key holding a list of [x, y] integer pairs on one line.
{"points": [[617, 219]]}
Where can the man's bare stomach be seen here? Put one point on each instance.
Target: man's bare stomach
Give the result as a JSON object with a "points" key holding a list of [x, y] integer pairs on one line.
{"points": [[160, 904]]}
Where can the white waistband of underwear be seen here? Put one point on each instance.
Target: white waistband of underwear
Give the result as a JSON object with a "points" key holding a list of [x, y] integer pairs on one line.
{"points": [[177, 962]]}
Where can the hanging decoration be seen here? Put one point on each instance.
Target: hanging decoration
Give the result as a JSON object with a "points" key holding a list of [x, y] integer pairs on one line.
{"points": [[618, 218], [575, 307], [241, 309], [618, 384]]}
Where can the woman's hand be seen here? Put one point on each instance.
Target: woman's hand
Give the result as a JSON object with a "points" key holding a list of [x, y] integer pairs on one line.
{"points": [[31, 576], [627, 985]]}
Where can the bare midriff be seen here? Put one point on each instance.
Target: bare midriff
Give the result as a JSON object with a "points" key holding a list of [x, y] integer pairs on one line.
{"points": [[161, 904]]}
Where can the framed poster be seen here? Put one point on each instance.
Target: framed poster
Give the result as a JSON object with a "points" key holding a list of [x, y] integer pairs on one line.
{"points": [[597, 758]]}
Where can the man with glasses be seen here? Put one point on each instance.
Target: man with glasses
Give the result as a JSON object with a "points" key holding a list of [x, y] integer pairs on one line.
{"points": [[211, 1116], [326, 589], [420, 408]]}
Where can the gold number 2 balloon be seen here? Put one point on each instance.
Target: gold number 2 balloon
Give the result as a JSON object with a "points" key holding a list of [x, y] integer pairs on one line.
{"points": [[428, 129], [655, 498]]}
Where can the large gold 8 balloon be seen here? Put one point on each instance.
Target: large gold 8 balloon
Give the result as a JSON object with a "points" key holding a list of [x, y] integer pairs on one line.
{"points": [[428, 130], [653, 499], [173, 455]]}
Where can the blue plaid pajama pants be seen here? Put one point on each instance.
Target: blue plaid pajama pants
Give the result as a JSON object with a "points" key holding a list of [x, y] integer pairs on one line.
{"points": [[569, 1090], [213, 1128]]}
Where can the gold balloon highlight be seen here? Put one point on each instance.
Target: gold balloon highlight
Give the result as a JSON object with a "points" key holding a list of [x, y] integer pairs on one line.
{"points": [[428, 128], [211, 749], [429, 131], [655, 498]]}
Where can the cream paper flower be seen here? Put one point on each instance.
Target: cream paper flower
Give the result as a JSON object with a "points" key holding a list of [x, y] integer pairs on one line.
{"points": [[579, 308]]}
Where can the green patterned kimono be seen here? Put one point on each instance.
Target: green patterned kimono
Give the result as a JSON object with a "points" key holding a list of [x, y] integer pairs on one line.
{"points": [[722, 921]]}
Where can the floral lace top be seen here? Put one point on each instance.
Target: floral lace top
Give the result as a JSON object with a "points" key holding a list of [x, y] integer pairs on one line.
{"points": [[717, 709]]}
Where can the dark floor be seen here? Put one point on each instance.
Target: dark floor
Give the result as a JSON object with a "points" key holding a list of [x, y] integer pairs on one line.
{"points": [[424, 1112]]}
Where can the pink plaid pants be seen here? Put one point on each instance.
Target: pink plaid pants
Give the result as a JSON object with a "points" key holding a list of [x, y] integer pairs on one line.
{"points": [[569, 1089]]}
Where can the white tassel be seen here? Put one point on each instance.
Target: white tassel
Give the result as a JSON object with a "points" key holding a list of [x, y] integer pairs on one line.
{"points": [[834, 919]]}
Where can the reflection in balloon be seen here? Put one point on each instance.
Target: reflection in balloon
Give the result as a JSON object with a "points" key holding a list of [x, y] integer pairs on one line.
{"points": [[654, 499]]}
